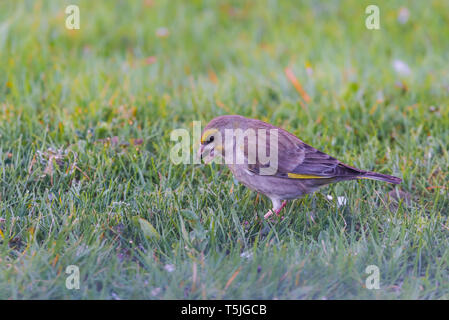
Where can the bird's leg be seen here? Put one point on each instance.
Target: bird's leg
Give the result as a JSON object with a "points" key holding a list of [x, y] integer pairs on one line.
{"points": [[284, 203], [277, 207]]}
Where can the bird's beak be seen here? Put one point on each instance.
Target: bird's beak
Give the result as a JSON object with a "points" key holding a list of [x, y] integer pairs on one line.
{"points": [[206, 153], [200, 152]]}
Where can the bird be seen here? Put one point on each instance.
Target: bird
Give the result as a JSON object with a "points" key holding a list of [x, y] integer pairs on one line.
{"points": [[273, 161]]}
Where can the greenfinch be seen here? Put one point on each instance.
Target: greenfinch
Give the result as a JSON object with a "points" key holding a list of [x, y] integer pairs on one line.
{"points": [[274, 162]]}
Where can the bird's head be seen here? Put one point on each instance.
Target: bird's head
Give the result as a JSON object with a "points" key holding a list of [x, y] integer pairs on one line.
{"points": [[213, 142]]}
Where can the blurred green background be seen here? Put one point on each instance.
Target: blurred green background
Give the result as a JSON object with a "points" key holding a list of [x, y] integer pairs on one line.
{"points": [[85, 122]]}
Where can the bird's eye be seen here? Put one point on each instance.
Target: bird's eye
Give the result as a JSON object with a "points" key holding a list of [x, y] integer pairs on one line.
{"points": [[210, 139]]}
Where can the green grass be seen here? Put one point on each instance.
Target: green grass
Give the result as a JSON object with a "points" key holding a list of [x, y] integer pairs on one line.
{"points": [[68, 90]]}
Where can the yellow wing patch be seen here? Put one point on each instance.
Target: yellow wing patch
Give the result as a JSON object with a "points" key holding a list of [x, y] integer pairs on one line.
{"points": [[304, 176]]}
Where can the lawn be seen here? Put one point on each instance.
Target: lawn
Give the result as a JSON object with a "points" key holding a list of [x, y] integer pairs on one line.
{"points": [[86, 179]]}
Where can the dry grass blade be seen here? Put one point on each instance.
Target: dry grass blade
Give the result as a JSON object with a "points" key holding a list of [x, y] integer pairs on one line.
{"points": [[231, 279], [291, 76]]}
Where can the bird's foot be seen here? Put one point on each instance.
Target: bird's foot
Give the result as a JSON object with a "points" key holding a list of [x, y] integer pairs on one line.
{"points": [[270, 212]]}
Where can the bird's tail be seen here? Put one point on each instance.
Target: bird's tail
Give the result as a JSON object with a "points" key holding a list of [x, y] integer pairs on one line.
{"points": [[380, 177]]}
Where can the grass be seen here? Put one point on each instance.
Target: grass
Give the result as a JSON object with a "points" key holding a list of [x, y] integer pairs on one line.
{"points": [[85, 122]]}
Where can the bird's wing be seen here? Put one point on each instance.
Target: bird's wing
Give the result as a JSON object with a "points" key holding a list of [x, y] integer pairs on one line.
{"points": [[297, 160]]}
